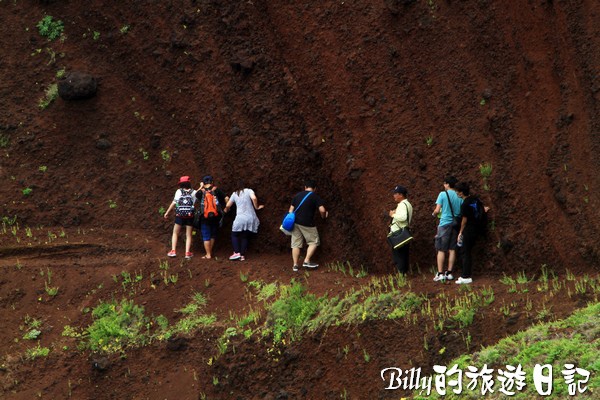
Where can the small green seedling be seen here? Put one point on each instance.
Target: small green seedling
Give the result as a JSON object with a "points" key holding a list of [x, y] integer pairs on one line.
{"points": [[485, 169]]}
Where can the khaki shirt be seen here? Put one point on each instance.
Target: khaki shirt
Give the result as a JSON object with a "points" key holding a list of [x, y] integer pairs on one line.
{"points": [[402, 216]]}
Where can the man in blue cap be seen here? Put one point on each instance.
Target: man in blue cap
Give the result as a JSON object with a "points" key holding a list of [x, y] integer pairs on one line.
{"points": [[401, 218]]}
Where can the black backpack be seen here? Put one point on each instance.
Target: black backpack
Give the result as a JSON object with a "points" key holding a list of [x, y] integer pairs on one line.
{"points": [[185, 204]]}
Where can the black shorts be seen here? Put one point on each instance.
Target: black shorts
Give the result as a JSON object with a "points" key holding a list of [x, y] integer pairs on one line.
{"points": [[184, 221]]}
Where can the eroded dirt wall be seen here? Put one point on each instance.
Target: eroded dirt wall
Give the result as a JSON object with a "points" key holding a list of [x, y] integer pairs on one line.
{"points": [[359, 95]]}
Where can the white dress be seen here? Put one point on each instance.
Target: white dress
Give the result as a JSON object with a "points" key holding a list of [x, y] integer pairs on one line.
{"points": [[245, 217]]}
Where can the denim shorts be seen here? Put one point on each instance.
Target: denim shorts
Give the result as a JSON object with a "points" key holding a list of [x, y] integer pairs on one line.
{"points": [[184, 221], [209, 231], [445, 239]]}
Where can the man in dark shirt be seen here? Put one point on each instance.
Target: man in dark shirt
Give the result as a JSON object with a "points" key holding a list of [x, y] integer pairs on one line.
{"points": [[304, 227], [469, 229]]}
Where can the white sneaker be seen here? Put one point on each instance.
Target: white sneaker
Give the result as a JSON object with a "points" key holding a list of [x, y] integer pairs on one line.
{"points": [[449, 276], [235, 256], [462, 281], [439, 277]]}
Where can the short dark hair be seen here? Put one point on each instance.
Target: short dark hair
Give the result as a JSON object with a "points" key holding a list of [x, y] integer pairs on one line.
{"points": [[450, 180], [463, 187], [310, 183], [185, 185]]}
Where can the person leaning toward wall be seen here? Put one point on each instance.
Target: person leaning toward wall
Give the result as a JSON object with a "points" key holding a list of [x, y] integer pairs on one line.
{"points": [[473, 227], [246, 221], [210, 223], [304, 228], [401, 218], [183, 203]]}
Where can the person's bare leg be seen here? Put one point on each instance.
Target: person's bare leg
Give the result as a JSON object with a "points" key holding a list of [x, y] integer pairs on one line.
{"points": [[208, 249], [188, 238], [176, 230], [310, 251], [441, 257], [295, 255], [451, 260], [212, 246]]}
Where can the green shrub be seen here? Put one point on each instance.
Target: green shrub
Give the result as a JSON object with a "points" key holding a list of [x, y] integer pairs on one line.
{"points": [[115, 326], [50, 28], [292, 311], [32, 334]]}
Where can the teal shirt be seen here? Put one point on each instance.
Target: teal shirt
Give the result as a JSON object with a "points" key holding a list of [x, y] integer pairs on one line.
{"points": [[442, 200]]}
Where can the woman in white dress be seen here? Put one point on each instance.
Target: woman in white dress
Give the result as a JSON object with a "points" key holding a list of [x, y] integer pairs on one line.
{"points": [[246, 221]]}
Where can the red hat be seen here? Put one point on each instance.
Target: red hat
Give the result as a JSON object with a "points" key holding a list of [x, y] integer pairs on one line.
{"points": [[184, 179]]}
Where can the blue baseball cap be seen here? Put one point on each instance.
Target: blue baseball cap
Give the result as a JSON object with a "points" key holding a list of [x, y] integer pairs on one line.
{"points": [[400, 189]]}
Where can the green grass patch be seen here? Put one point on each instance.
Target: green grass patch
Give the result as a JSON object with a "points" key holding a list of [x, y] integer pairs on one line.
{"points": [[575, 340], [50, 95], [192, 320]]}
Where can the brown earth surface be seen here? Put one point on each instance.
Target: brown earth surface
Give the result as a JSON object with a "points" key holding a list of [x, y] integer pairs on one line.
{"points": [[359, 95]]}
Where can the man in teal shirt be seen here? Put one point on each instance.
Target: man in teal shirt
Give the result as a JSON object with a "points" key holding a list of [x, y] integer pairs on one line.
{"points": [[448, 203]]}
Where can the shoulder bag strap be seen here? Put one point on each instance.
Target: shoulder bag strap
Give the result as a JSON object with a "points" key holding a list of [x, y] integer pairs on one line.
{"points": [[450, 203], [407, 217], [296, 209]]}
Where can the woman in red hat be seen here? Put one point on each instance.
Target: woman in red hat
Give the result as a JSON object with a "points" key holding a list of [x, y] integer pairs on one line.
{"points": [[184, 205]]}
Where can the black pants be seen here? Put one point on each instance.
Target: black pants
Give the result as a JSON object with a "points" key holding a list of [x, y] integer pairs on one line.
{"points": [[400, 256], [469, 239], [240, 241]]}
